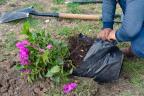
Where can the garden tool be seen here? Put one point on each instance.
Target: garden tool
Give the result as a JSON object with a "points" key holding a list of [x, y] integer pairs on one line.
{"points": [[26, 12], [84, 1]]}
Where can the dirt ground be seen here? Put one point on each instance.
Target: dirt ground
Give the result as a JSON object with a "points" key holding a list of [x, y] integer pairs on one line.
{"points": [[12, 85]]}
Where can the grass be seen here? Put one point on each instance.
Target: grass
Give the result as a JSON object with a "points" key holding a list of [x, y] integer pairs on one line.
{"points": [[55, 9], [126, 94], [10, 41], [38, 6], [73, 8], [84, 88], [2, 2], [34, 22], [58, 1], [64, 31], [7, 46], [135, 69]]}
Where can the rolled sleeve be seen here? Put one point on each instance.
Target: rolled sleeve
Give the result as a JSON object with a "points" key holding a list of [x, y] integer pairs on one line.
{"points": [[108, 13]]}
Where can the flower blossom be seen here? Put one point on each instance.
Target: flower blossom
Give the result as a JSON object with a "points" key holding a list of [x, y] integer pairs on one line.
{"points": [[23, 52], [67, 88], [49, 46]]}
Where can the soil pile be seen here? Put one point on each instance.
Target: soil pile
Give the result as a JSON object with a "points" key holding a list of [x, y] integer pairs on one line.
{"points": [[79, 46]]}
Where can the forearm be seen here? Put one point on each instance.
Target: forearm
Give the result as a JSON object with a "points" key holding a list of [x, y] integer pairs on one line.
{"points": [[108, 13]]}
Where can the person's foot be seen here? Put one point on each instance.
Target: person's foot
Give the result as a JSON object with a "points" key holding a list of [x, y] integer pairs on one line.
{"points": [[127, 52]]}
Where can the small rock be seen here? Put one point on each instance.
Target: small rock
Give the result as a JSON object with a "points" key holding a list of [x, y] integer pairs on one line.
{"points": [[82, 50], [46, 21], [36, 90]]}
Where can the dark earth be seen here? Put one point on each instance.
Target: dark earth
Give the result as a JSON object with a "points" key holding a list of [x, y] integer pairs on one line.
{"points": [[79, 46]]}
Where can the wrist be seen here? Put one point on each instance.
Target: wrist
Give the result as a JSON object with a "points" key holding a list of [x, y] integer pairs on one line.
{"points": [[108, 25]]}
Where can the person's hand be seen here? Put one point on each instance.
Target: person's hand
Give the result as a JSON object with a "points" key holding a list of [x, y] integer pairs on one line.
{"points": [[104, 33], [111, 36]]}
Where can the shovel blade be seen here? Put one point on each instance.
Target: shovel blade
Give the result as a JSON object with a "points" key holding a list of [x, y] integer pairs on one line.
{"points": [[15, 15]]}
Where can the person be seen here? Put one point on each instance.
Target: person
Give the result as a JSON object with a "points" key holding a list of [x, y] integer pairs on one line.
{"points": [[132, 27]]}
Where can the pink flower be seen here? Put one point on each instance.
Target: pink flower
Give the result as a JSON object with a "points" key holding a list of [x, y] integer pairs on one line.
{"points": [[49, 46], [22, 44], [23, 52], [67, 88], [19, 45], [25, 42], [24, 56]]}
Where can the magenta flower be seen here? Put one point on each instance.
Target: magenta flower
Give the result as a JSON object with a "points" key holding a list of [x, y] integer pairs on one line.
{"points": [[22, 44], [49, 46], [24, 56], [67, 88], [25, 42], [23, 52], [19, 45]]}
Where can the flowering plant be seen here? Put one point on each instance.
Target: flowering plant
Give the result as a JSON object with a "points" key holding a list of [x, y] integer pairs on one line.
{"points": [[67, 88], [42, 56]]}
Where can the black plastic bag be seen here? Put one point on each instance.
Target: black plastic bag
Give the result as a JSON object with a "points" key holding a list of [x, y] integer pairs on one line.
{"points": [[103, 62]]}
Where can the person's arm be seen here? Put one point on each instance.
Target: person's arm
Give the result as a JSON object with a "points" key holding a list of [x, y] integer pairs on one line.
{"points": [[133, 21], [108, 13]]}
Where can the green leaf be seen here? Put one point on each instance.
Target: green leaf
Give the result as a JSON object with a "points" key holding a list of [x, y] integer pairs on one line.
{"points": [[37, 61], [55, 69], [45, 56], [40, 75], [56, 42], [56, 79], [49, 74], [70, 72], [60, 61], [29, 79], [19, 67], [26, 28], [32, 77]]}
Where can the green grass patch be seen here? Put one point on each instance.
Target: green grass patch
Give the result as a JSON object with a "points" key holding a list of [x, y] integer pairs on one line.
{"points": [[126, 94], [34, 22], [135, 69], [58, 1], [10, 41], [84, 88], [2, 2], [37, 6], [64, 31], [55, 9], [73, 8], [87, 28]]}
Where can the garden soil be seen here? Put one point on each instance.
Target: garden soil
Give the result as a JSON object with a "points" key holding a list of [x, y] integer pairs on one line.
{"points": [[12, 85]]}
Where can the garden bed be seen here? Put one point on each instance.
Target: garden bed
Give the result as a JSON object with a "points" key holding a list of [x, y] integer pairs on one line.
{"points": [[12, 85]]}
